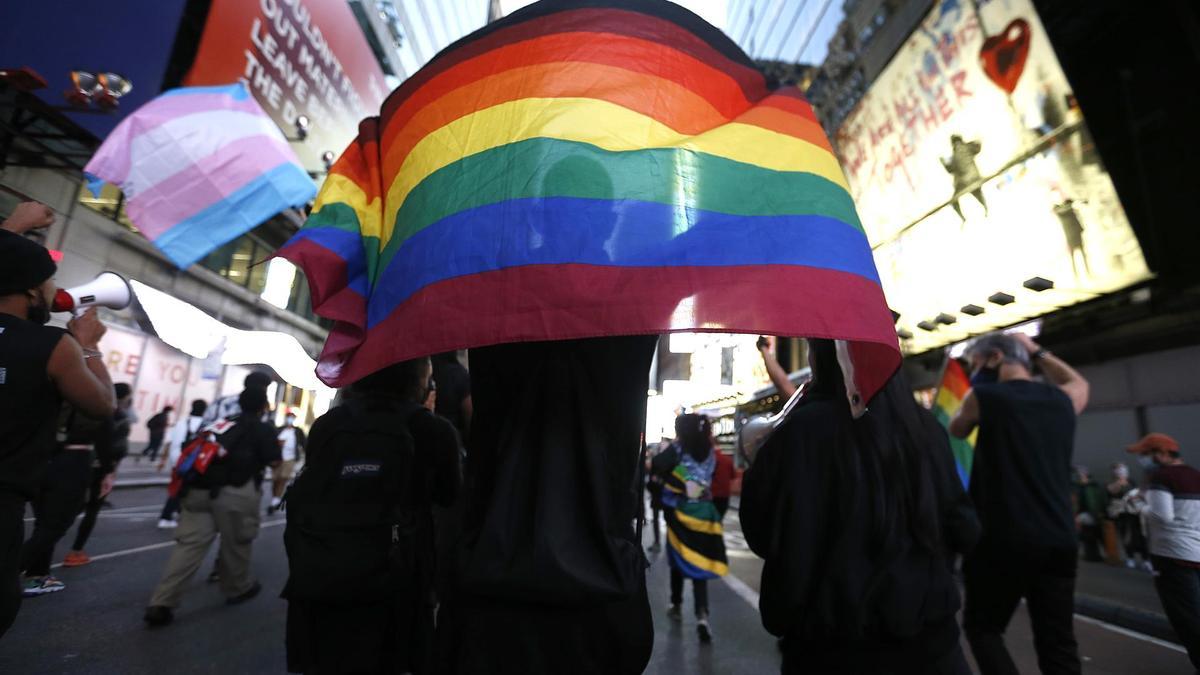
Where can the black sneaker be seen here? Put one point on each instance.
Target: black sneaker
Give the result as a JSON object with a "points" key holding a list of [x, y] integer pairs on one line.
{"points": [[238, 599], [157, 616], [703, 631]]}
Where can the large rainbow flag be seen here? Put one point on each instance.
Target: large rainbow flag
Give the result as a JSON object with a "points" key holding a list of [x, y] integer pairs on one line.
{"points": [[951, 392], [588, 168], [200, 166]]}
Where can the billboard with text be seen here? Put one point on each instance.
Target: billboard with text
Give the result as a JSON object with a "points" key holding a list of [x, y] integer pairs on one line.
{"points": [[298, 57], [977, 180]]}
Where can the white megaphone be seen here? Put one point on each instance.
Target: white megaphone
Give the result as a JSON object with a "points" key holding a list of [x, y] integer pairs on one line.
{"points": [[755, 432], [109, 289]]}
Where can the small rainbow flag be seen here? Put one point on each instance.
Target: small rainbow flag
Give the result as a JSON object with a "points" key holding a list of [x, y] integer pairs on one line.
{"points": [[586, 168], [200, 166], [951, 392]]}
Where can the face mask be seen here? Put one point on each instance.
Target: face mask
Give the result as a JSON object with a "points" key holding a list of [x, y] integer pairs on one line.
{"points": [[289, 420], [39, 313], [1121, 473], [985, 375], [1145, 462]]}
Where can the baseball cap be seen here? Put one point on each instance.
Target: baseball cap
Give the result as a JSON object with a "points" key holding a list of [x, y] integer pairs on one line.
{"points": [[1152, 443], [24, 264]]}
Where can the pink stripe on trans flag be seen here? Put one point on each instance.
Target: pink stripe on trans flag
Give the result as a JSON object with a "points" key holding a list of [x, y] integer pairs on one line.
{"points": [[206, 182], [114, 160]]}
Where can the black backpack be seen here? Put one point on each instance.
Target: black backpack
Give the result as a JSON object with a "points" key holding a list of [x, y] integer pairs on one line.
{"points": [[353, 512]]}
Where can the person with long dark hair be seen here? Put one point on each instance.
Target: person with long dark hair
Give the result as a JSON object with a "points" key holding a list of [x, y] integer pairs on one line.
{"points": [[858, 521], [695, 544]]}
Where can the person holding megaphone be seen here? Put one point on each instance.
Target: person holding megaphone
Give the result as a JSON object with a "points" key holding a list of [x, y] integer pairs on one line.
{"points": [[40, 367]]}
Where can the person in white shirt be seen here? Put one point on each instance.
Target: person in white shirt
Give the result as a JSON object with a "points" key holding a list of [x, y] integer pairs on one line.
{"points": [[291, 444], [182, 432], [1173, 523]]}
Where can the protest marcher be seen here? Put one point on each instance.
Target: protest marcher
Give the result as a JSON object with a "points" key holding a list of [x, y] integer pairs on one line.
{"points": [[1126, 504], [776, 373], [551, 572], [1173, 523], [1021, 486], [376, 464], [182, 433], [157, 424], [80, 439], [1090, 510], [722, 485], [453, 392], [224, 499], [654, 486], [227, 406], [291, 451], [695, 543], [104, 468], [858, 521], [41, 366]]}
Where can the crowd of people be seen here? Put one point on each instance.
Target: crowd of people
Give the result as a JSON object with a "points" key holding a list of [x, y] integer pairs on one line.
{"points": [[492, 520]]}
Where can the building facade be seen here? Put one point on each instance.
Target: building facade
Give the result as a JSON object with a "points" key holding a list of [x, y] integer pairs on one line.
{"points": [[44, 144]]}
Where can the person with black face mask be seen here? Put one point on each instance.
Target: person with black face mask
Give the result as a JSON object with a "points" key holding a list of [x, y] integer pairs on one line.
{"points": [[39, 367], [1021, 485]]}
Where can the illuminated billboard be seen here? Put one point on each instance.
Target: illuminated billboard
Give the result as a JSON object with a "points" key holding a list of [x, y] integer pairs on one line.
{"points": [[298, 57], [977, 180]]}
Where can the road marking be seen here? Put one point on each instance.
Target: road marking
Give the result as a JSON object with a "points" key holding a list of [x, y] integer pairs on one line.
{"points": [[106, 512], [1133, 634], [743, 591], [154, 547]]}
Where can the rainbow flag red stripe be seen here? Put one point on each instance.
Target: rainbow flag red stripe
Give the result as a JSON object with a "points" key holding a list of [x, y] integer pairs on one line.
{"points": [[951, 392], [588, 168]]}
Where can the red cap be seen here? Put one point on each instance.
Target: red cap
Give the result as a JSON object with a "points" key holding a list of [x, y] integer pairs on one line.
{"points": [[1153, 443]]}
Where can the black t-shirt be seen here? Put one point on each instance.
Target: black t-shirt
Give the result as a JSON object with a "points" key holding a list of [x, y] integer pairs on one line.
{"points": [[436, 443], [29, 402], [251, 445], [157, 424], [1021, 480]]}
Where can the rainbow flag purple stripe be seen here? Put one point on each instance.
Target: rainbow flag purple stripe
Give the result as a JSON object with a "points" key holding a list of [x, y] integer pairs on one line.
{"points": [[200, 166]]}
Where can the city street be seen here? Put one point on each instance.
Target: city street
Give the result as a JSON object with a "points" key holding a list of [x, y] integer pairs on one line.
{"points": [[94, 627]]}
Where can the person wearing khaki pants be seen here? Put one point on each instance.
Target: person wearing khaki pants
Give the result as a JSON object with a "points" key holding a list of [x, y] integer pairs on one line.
{"points": [[224, 500], [233, 514]]}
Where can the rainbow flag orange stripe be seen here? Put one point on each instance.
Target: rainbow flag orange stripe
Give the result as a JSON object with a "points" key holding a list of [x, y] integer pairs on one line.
{"points": [[585, 168], [951, 392]]}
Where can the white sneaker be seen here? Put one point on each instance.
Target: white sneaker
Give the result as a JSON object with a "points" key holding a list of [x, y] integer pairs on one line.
{"points": [[165, 524]]}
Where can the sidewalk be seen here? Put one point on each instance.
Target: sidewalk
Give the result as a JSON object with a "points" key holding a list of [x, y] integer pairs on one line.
{"points": [[144, 473], [1123, 597]]}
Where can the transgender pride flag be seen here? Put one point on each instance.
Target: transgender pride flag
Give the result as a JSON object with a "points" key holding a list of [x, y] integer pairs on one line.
{"points": [[200, 166]]}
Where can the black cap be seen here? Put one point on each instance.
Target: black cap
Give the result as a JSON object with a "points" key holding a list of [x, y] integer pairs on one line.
{"points": [[24, 264]]}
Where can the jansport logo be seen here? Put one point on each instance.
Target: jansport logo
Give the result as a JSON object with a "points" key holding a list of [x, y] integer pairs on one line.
{"points": [[360, 469]]}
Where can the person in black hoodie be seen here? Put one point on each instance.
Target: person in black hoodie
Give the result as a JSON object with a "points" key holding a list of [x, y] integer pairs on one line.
{"points": [[104, 471], [858, 521]]}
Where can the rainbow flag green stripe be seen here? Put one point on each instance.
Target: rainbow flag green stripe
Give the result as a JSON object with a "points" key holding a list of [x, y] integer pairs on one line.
{"points": [[715, 183]]}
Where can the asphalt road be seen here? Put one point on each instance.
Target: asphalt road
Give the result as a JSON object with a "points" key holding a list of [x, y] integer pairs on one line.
{"points": [[94, 627]]}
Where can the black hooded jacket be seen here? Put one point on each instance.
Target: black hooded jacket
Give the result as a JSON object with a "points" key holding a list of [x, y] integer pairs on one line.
{"points": [[843, 592]]}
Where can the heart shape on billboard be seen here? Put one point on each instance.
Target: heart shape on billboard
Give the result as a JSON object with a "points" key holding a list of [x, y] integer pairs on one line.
{"points": [[1003, 56]]}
